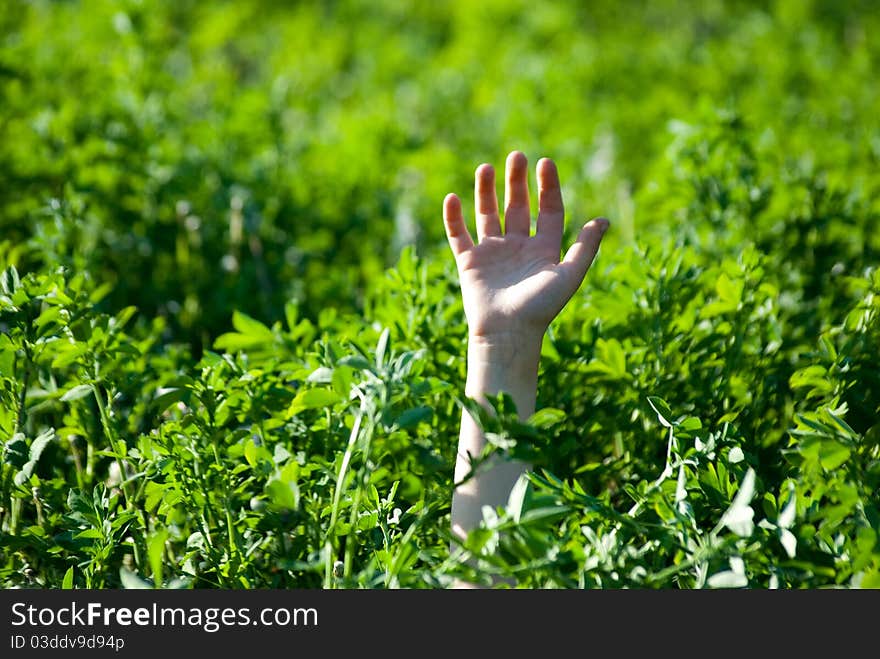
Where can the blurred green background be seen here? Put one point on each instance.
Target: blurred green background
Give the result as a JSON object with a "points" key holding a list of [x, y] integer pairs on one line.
{"points": [[200, 157], [194, 159]]}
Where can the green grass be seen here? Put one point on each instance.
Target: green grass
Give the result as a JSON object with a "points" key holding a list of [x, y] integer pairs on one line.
{"points": [[232, 349]]}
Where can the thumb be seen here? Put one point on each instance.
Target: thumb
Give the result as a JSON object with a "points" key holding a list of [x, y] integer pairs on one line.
{"points": [[580, 255]]}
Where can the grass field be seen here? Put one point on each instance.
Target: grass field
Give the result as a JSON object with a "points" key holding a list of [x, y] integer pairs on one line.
{"points": [[232, 349]]}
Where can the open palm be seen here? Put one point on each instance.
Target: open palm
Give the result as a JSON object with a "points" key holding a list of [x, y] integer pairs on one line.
{"points": [[515, 283]]}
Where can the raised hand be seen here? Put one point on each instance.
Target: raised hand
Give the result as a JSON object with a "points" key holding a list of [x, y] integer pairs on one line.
{"points": [[513, 285], [514, 282]]}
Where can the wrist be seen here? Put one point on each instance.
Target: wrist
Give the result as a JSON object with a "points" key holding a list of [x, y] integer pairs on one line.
{"points": [[506, 347], [512, 354], [504, 362]]}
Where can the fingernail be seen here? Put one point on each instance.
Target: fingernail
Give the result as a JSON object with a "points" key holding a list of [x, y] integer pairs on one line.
{"points": [[603, 223]]}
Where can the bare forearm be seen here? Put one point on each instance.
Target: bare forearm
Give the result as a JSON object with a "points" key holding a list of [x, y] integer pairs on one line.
{"points": [[506, 363], [513, 285]]}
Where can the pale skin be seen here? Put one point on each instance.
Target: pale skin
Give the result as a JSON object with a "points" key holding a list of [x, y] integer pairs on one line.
{"points": [[513, 284]]}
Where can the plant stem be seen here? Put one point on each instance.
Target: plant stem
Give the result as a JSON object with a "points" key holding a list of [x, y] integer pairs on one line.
{"points": [[21, 418], [355, 506], [111, 438], [340, 482]]}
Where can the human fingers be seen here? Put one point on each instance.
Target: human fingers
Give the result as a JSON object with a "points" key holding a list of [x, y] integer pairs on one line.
{"points": [[486, 202], [551, 212], [456, 230], [517, 218]]}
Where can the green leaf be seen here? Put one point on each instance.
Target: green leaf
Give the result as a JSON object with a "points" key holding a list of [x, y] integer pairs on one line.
{"points": [[7, 357], [544, 513], [356, 362], [122, 318], [871, 579], [478, 538], [500, 440], [77, 392], [89, 534], [166, 397], [414, 416], [34, 453], [611, 353], [739, 516], [664, 414], [67, 582], [155, 551], [728, 579], [48, 316], [729, 294], [308, 399], [9, 281], [787, 514], [789, 542], [40, 443], [342, 380], [68, 354], [843, 425], [746, 489], [100, 292], [516, 499], [250, 326], [250, 452], [291, 315], [546, 417], [609, 361], [689, 425], [280, 454], [321, 375], [236, 342], [681, 485], [812, 377], [381, 347], [251, 334], [832, 454], [154, 492], [131, 581], [209, 359], [284, 495], [15, 452], [728, 290]]}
